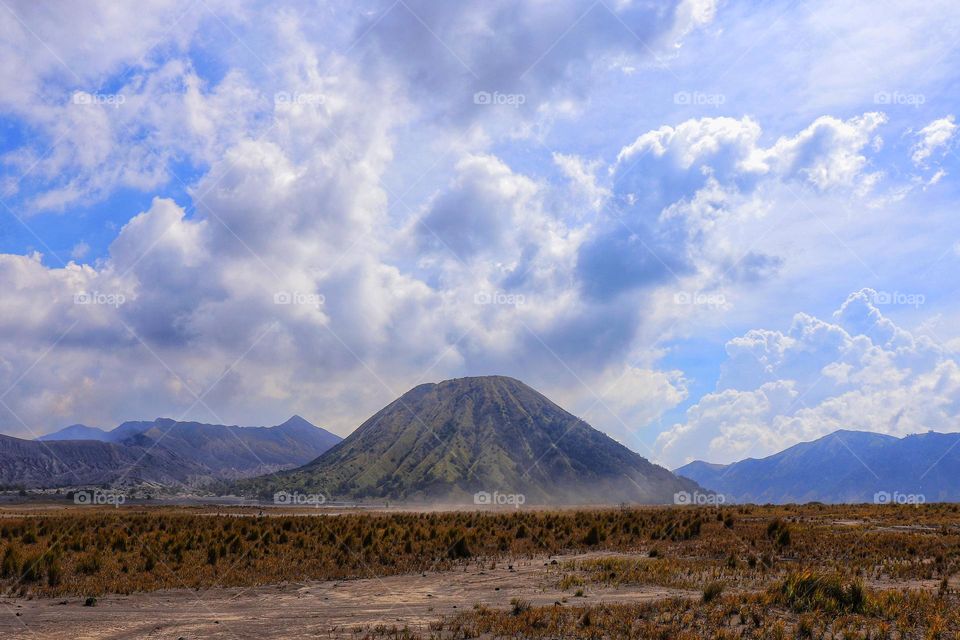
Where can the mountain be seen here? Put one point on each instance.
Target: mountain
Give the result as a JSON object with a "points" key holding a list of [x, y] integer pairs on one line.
{"points": [[132, 428], [231, 451], [163, 450], [447, 441], [42, 464], [845, 466], [77, 432]]}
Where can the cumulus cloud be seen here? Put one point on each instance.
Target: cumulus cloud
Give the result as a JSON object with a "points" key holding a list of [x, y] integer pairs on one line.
{"points": [[481, 211], [625, 400], [827, 153], [685, 197], [353, 219], [857, 371], [105, 112], [583, 179], [936, 136], [540, 51], [278, 284]]}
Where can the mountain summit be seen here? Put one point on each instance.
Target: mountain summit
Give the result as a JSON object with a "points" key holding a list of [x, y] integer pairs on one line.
{"points": [[449, 440]]}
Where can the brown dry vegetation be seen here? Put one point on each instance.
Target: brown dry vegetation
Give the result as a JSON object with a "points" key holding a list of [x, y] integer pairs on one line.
{"points": [[793, 571], [886, 614], [90, 552]]}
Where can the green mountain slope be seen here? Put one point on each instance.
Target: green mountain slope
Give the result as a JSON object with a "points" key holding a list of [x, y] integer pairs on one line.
{"points": [[450, 440]]}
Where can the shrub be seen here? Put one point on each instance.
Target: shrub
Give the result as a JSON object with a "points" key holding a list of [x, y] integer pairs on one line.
{"points": [[593, 537], [519, 606], [460, 550], [807, 591], [54, 573], [10, 568], [712, 591], [779, 532], [89, 565]]}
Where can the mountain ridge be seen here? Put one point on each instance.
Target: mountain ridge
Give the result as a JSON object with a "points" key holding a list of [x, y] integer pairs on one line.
{"points": [[163, 451], [37, 464], [840, 467]]}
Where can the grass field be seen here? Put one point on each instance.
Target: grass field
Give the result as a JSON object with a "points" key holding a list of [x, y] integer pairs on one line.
{"points": [[793, 571]]}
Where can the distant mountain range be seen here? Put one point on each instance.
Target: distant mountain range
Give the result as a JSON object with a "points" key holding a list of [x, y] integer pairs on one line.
{"points": [[490, 435], [33, 464], [164, 452], [845, 466]]}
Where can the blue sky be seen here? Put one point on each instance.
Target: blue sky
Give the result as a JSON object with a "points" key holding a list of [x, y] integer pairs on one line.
{"points": [[712, 229]]}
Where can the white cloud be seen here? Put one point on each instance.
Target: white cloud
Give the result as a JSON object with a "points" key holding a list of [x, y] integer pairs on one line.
{"points": [[80, 250], [303, 196], [625, 400], [828, 153], [860, 371], [104, 113], [295, 203], [583, 179], [450, 51], [699, 140], [934, 137]]}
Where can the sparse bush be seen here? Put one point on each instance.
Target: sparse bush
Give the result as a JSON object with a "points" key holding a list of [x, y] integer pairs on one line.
{"points": [[593, 537], [519, 606], [460, 549], [809, 591], [712, 591]]}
